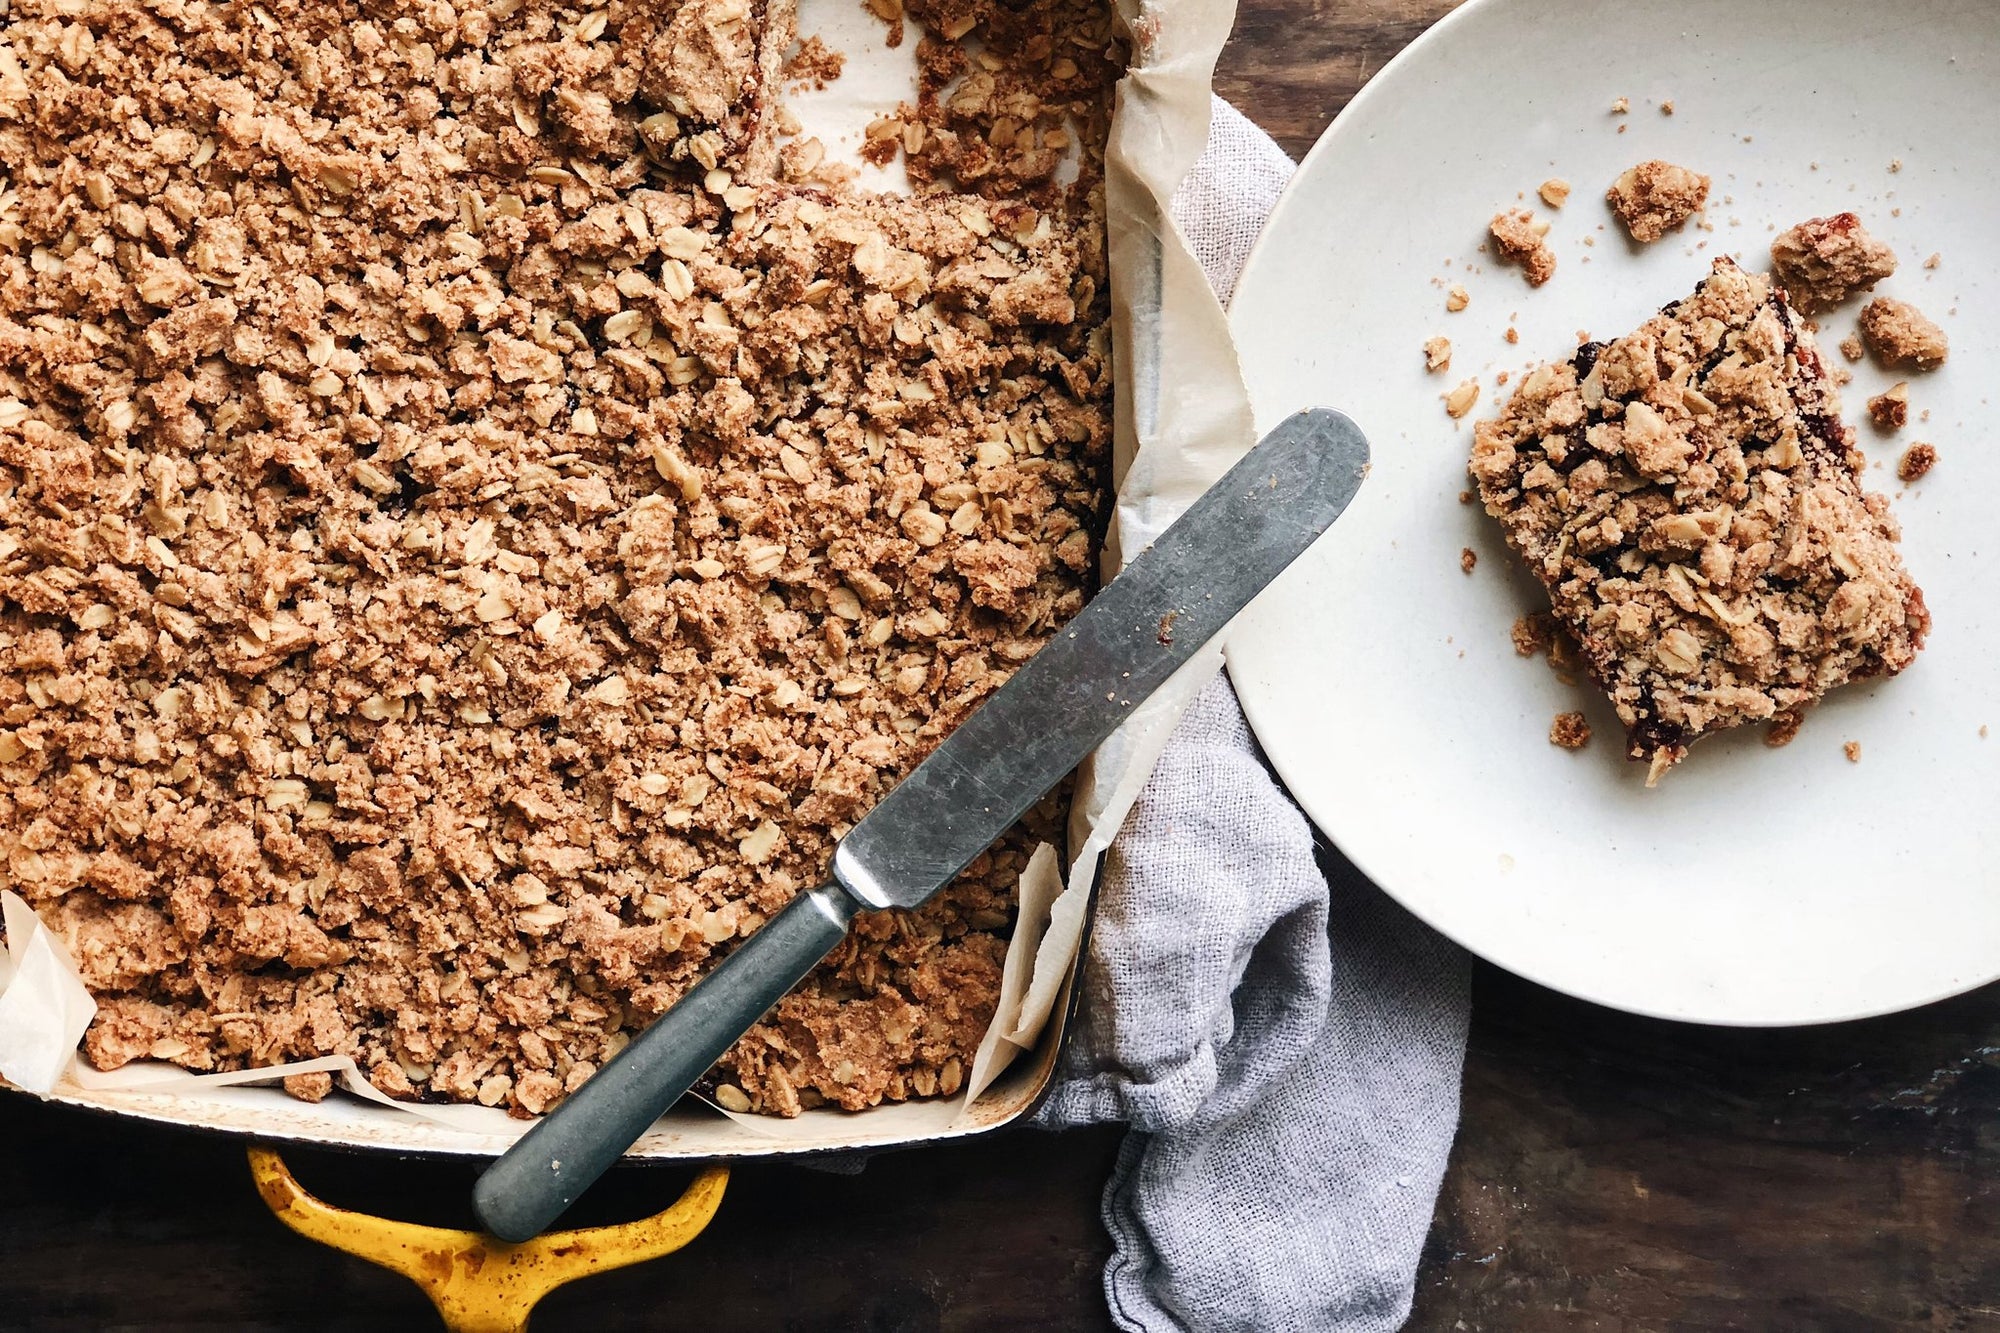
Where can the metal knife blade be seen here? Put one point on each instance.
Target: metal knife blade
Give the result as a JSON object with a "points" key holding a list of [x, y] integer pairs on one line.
{"points": [[1143, 626]]}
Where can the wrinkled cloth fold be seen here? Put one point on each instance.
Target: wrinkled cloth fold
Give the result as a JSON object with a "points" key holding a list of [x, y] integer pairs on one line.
{"points": [[1285, 1042]]}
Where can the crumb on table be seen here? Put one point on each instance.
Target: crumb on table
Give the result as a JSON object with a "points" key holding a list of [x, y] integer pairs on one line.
{"points": [[1468, 559], [1554, 191], [1460, 400], [1520, 237], [1437, 354], [1457, 298], [1822, 262], [1901, 335], [1917, 460], [1890, 409], [1853, 751], [1934, 260], [1621, 105], [1667, 107], [1850, 347], [1655, 197], [1570, 731]]}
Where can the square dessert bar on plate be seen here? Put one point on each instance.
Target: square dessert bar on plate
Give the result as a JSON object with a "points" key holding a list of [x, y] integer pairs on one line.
{"points": [[1690, 499]]}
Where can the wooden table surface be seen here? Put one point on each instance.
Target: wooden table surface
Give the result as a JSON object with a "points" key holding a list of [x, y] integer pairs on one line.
{"points": [[1611, 1172]]}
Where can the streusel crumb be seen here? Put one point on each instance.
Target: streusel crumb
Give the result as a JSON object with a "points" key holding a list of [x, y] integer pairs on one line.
{"points": [[1852, 750], [1656, 197], [1570, 731], [1890, 408], [1554, 192], [1822, 262], [1468, 560], [1457, 298], [1519, 238], [1901, 335], [476, 527], [1917, 460], [1437, 354], [1688, 496]]}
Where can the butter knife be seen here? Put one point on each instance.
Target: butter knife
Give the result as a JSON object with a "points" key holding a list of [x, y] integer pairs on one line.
{"points": [[1156, 615]]}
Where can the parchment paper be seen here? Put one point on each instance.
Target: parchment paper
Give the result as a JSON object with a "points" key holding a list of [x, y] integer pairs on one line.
{"points": [[1183, 417]]}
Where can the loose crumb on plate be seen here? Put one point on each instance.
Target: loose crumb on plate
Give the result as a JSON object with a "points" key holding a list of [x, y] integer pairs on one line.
{"points": [[1784, 726], [1456, 298], [1667, 107], [1570, 731], [1822, 262], [1621, 105], [1520, 238], [1917, 460], [1554, 191], [1655, 197], [1853, 751], [1437, 354], [1468, 559], [1512, 335], [1934, 260], [1901, 335], [1460, 400], [1890, 408]]}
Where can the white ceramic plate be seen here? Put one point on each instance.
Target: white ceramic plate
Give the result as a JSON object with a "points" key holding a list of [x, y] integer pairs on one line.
{"points": [[1753, 886]]}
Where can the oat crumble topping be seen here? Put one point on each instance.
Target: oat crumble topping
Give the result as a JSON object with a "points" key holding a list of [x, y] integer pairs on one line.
{"points": [[1655, 198], [1689, 498], [481, 513], [1554, 192]]}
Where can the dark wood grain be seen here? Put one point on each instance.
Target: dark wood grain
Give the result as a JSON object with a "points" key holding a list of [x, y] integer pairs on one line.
{"points": [[1611, 1172], [1617, 1172], [105, 1224], [1293, 64]]}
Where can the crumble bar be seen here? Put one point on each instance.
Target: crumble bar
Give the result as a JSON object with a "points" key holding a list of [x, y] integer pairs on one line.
{"points": [[476, 527], [1689, 498], [1822, 262], [1655, 198]]}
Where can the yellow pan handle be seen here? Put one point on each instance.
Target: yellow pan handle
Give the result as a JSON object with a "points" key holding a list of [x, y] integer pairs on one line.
{"points": [[481, 1284]]}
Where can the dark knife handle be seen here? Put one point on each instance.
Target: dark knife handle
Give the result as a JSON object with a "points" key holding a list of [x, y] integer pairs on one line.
{"points": [[539, 1177]]}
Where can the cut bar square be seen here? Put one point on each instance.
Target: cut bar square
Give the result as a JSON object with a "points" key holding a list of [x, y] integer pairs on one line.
{"points": [[1690, 499]]}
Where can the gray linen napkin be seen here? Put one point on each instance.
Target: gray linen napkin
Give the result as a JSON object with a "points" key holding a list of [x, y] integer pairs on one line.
{"points": [[1284, 1041]]}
